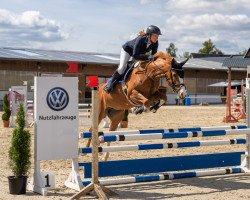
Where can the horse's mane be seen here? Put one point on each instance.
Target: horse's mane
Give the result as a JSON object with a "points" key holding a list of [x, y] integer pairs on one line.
{"points": [[163, 55], [159, 54]]}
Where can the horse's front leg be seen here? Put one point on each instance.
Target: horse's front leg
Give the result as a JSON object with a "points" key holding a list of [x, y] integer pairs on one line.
{"points": [[138, 98], [159, 99], [153, 103]]}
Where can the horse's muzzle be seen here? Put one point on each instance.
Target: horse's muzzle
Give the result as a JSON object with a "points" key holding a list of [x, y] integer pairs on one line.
{"points": [[182, 92]]}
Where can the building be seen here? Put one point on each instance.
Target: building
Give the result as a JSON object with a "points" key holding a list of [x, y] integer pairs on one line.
{"points": [[203, 70], [19, 64]]}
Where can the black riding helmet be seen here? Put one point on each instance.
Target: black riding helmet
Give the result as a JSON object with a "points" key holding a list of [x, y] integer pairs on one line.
{"points": [[153, 30]]}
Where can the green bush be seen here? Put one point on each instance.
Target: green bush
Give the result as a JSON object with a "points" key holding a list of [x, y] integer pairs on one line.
{"points": [[6, 110], [19, 152]]}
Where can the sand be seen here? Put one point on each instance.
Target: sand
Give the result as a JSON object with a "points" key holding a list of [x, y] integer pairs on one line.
{"points": [[213, 187]]}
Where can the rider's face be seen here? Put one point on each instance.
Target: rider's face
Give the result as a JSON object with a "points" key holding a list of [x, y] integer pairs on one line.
{"points": [[154, 38]]}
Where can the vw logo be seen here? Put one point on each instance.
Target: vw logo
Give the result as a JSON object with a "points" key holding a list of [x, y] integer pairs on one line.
{"points": [[57, 98]]}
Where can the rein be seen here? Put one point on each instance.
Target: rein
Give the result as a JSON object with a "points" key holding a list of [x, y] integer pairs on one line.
{"points": [[172, 85]]}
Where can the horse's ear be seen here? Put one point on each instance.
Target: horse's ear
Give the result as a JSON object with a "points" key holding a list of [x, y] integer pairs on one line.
{"points": [[178, 65]]}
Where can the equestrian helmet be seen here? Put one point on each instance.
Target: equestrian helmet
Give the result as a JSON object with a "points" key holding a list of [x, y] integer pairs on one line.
{"points": [[153, 30]]}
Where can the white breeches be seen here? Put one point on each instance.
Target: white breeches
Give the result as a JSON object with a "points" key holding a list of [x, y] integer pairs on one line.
{"points": [[124, 58]]}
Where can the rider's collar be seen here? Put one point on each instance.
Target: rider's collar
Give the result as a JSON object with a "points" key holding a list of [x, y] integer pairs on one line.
{"points": [[147, 41]]}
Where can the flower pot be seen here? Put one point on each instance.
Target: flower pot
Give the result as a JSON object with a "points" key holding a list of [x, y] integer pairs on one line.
{"points": [[6, 123], [17, 185], [124, 124]]}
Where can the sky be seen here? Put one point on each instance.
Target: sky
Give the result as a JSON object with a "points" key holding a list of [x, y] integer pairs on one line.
{"points": [[103, 26]]}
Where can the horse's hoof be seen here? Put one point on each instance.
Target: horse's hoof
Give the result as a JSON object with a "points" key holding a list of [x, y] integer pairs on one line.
{"points": [[138, 110], [155, 107], [154, 110]]}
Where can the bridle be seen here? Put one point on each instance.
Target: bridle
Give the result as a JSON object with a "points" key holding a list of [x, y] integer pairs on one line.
{"points": [[175, 87]]}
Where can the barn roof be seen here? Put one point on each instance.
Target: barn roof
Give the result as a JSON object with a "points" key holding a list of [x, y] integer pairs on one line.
{"points": [[199, 61], [238, 61], [57, 56]]}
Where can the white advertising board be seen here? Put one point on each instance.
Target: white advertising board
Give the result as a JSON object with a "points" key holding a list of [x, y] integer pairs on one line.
{"points": [[56, 118]]}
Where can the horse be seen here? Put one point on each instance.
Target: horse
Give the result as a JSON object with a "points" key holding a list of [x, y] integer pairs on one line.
{"points": [[141, 89]]}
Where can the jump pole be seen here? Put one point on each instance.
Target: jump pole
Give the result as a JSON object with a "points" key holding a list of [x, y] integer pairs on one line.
{"points": [[95, 185]]}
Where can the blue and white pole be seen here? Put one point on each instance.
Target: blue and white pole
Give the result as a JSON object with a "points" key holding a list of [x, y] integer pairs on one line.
{"points": [[169, 130], [141, 147], [168, 176], [188, 134]]}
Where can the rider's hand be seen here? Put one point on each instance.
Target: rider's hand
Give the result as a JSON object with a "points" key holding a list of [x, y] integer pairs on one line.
{"points": [[150, 58]]}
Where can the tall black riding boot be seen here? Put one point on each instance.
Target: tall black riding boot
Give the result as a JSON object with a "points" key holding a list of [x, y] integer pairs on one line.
{"points": [[114, 80]]}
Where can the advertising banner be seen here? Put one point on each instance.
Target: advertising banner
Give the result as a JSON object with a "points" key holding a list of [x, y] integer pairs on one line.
{"points": [[56, 117]]}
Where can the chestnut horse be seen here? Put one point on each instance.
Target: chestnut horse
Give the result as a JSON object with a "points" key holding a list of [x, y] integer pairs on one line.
{"points": [[141, 89]]}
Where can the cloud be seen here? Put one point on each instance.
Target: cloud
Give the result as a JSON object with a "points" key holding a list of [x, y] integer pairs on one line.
{"points": [[209, 21], [143, 2], [207, 6], [29, 26], [189, 23]]}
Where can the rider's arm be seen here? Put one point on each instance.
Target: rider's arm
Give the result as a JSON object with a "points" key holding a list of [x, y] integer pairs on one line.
{"points": [[139, 44]]}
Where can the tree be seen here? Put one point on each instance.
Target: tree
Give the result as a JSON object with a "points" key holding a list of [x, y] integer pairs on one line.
{"points": [[19, 152], [186, 54], [6, 109], [210, 48], [172, 49], [217, 51]]}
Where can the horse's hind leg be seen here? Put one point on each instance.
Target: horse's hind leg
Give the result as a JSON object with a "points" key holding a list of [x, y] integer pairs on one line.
{"points": [[115, 117]]}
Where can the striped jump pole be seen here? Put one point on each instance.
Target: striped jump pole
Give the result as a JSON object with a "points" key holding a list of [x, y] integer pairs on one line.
{"points": [[188, 134], [170, 130], [88, 150], [168, 176]]}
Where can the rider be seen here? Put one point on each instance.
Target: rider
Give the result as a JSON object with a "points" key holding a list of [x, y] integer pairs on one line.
{"points": [[141, 48]]}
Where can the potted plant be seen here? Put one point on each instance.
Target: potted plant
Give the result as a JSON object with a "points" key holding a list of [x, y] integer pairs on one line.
{"points": [[6, 112], [19, 155], [124, 122]]}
